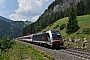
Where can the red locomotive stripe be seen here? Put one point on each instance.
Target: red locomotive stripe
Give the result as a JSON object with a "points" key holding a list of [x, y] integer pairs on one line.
{"points": [[56, 41], [42, 37]]}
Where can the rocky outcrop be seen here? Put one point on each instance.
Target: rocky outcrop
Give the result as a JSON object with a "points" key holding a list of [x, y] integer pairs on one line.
{"points": [[81, 43], [62, 6]]}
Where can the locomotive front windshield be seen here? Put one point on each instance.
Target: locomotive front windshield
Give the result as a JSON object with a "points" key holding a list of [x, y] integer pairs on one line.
{"points": [[56, 35]]}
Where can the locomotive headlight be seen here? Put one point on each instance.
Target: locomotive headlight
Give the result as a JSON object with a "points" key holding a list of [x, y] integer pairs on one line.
{"points": [[51, 40]]}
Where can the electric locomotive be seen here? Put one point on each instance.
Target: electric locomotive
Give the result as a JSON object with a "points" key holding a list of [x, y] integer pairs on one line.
{"points": [[51, 38]]}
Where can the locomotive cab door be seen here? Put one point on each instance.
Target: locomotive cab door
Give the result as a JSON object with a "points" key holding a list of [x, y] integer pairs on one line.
{"points": [[48, 37]]}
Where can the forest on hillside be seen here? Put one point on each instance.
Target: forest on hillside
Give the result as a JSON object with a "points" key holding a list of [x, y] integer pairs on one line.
{"points": [[11, 29], [82, 8]]}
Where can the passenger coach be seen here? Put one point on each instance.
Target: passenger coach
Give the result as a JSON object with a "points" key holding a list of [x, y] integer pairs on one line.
{"points": [[27, 38]]}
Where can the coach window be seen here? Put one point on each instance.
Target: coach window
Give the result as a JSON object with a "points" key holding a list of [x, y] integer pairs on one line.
{"points": [[28, 38]]}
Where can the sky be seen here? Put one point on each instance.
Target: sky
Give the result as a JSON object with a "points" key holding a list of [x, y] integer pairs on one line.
{"points": [[22, 10]]}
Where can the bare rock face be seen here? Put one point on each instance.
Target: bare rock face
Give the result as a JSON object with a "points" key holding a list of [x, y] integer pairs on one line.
{"points": [[66, 4], [62, 6]]}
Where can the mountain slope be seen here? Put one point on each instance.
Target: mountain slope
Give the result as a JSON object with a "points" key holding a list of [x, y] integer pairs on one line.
{"points": [[60, 5], [83, 21], [51, 14], [79, 39], [57, 10], [4, 28], [11, 29], [5, 19]]}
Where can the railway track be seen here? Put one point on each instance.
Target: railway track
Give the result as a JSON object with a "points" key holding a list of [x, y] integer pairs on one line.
{"points": [[77, 53], [65, 54]]}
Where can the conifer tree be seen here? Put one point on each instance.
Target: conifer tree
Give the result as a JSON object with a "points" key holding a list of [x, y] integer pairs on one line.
{"points": [[80, 8], [87, 7], [72, 25], [38, 29]]}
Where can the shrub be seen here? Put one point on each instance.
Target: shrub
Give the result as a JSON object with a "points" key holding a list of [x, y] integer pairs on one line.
{"points": [[86, 31], [50, 25], [38, 28], [62, 26], [6, 43], [56, 26]]}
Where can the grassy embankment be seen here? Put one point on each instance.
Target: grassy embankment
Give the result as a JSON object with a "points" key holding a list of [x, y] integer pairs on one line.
{"points": [[84, 23], [22, 51]]}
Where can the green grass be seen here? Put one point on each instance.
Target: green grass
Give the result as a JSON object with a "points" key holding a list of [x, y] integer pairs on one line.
{"points": [[59, 22], [22, 51], [83, 21]]}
